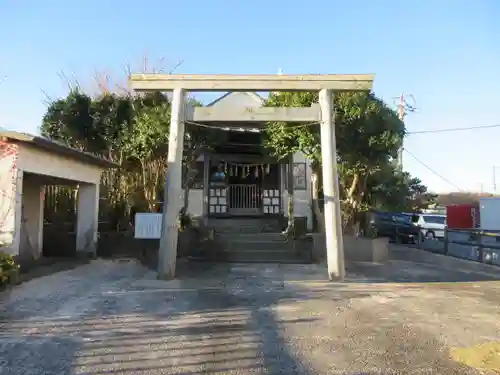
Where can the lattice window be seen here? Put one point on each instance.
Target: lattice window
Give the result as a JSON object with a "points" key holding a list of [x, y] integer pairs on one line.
{"points": [[271, 201], [217, 203]]}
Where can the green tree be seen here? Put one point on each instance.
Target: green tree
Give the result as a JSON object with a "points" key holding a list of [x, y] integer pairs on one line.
{"points": [[393, 190], [111, 121], [147, 148], [69, 121], [368, 135], [131, 130], [284, 140]]}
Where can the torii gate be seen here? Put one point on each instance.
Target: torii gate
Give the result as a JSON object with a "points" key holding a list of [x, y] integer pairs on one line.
{"points": [[180, 84]]}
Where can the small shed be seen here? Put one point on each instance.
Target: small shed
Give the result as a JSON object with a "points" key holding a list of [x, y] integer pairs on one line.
{"points": [[27, 164]]}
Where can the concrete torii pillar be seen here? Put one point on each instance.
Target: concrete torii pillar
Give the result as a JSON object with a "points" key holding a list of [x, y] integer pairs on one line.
{"points": [[167, 255], [333, 219]]}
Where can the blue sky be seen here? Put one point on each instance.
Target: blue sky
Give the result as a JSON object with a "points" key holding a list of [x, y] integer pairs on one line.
{"points": [[446, 53]]}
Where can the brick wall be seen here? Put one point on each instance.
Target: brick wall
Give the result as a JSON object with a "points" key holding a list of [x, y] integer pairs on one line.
{"points": [[8, 179]]}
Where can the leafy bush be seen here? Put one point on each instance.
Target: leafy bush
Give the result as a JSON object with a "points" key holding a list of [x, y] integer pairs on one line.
{"points": [[8, 268]]}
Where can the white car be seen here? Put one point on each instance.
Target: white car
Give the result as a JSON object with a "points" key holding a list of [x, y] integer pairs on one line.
{"points": [[432, 225]]}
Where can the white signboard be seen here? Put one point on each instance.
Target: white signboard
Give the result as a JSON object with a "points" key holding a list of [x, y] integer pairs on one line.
{"points": [[148, 226]]}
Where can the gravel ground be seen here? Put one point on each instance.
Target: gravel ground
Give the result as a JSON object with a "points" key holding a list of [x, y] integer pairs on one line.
{"points": [[113, 317]]}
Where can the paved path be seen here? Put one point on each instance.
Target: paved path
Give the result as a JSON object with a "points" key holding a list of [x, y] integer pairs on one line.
{"points": [[112, 317]]}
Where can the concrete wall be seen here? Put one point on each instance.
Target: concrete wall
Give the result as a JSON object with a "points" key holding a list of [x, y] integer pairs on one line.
{"points": [[237, 99], [21, 201], [42, 162], [31, 239], [124, 244], [195, 206]]}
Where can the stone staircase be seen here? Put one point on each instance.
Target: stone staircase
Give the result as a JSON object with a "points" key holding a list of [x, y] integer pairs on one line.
{"points": [[261, 248], [256, 240], [248, 225]]}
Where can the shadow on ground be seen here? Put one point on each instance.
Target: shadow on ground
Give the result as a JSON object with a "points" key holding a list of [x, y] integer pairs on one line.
{"points": [[409, 265], [113, 317]]}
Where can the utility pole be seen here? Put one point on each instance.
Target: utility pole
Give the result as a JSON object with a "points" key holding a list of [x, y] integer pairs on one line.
{"points": [[401, 114], [403, 108]]}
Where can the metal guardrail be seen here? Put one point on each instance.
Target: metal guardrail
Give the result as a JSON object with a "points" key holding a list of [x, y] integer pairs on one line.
{"points": [[481, 246], [476, 245], [473, 244]]}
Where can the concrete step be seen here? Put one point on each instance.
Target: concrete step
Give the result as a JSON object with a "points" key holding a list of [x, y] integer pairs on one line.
{"points": [[249, 256], [258, 247], [246, 229], [253, 237], [263, 242], [255, 242], [250, 225], [242, 230]]}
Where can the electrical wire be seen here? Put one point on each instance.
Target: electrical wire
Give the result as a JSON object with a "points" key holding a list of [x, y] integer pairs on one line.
{"points": [[454, 129], [258, 130], [243, 129], [432, 170]]}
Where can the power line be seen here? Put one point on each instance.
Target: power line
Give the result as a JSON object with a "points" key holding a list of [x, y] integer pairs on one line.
{"points": [[432, 170], [246, 129], [430, 131], [455, 129]]}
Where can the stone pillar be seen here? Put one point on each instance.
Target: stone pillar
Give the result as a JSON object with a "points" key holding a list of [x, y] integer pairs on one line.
{"points": [[87, 219], [333, 221], [167, 255], [32, 225]]}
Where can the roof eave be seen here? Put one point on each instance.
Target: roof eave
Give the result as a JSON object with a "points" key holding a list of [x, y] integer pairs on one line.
{"points": [[48, 145]]}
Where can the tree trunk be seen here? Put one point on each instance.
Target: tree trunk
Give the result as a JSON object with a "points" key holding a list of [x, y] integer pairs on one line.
{"points": [[145, 186], [354, 197], [320, 218], [189, 177], [291, 218], [191, 174], [353, 224], [353, 188]]}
